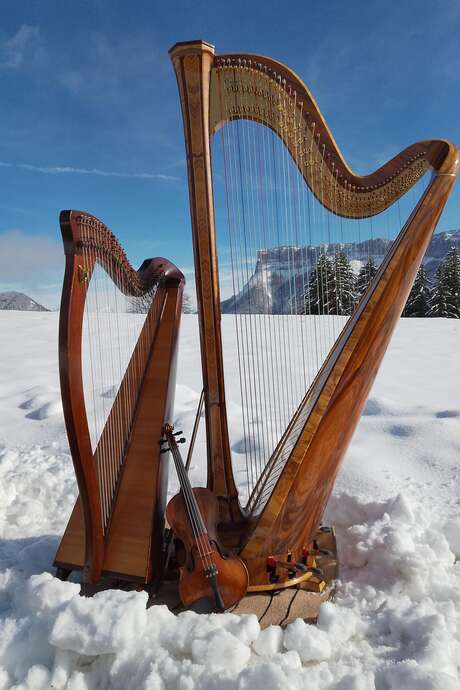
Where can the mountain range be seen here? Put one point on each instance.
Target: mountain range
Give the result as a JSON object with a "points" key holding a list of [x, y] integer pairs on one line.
{"points": [[19, 301], [278, 280]]}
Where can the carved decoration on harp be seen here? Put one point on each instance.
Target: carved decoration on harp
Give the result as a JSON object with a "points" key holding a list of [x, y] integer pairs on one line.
{"points": [[286, 503], [116, 527]]}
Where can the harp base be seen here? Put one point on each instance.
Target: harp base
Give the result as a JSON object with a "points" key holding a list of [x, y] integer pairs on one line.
{"points": [[278, 605]]}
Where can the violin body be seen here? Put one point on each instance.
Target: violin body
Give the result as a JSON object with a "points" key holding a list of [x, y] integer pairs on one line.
{"points": [[194, 584]]}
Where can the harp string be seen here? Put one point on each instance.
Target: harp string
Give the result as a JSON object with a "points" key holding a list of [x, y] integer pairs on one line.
{"points": [[271, 214], [117, 335]]}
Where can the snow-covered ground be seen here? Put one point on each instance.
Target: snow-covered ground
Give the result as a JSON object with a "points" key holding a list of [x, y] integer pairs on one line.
{"points": [[395, 624]]}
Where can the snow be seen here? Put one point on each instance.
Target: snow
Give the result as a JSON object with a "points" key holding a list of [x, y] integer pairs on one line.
{"points": [[395, 621]]}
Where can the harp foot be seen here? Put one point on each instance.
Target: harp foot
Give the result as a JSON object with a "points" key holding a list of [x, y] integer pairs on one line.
{"points": [[63, 574]]}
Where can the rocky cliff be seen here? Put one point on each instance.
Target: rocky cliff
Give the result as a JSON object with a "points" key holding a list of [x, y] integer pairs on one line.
{"points": [[277, 284]]}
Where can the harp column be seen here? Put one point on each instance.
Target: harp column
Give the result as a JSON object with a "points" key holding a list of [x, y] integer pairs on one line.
{"points": [[193, 62]]}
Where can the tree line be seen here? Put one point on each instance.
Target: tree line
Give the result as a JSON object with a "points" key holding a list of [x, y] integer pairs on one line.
{"points": [[334, 288]]}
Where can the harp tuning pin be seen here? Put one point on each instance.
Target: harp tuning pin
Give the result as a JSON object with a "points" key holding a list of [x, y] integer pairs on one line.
{"points": [[178, 433]]}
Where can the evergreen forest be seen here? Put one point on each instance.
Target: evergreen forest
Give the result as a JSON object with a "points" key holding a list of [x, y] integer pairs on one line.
{"points": [[334, 288]]}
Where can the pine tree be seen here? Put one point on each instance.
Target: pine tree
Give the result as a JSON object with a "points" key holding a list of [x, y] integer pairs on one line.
{"points": [[418, 302], [452, 270], [319, 294], [366, 273], [445, 300], [187, 307], [344, 286]]}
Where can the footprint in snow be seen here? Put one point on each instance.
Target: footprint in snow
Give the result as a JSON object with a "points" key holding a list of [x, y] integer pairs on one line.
{"points": [[401, 430], [49, 409], [245, 445], [373, 407], [447, 414], [110, 392], [43, 402]]}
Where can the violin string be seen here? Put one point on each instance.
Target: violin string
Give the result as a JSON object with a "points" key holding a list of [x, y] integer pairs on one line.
{"points": [[192, 508], [193, 512]]}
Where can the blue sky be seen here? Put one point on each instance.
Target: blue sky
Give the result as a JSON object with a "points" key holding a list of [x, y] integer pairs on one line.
{"points": [[90, 115]]}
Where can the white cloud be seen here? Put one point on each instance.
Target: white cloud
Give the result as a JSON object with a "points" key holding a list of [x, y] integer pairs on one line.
{"points": [[23, 47], [28, 259], [66, 169]]}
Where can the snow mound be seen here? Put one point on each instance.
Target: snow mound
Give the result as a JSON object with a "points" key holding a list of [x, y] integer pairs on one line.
{"points": [[37, 491], [395, 623]]}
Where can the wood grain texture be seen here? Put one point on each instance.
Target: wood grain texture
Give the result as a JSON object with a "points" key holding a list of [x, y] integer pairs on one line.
{"points": [[71, 379], [133, 537], [318, 436], [192, 66], [295, 507]]}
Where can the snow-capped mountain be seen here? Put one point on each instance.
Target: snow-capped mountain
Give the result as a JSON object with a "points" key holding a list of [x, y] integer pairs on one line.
{"points": [[18, 301], [281, 272]]}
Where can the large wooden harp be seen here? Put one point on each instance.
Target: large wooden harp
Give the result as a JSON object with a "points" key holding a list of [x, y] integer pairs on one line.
{"points": [[117, 343], [261, 157]]}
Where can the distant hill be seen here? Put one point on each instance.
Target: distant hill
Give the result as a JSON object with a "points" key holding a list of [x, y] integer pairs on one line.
{"points": [[19, 302], [279, 274]]}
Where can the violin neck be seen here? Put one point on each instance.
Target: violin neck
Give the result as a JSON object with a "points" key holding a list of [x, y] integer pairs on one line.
{"points": [[191, 505]]}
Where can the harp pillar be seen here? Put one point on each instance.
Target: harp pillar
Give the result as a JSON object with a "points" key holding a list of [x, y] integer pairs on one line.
{"points": [[192, 63]]}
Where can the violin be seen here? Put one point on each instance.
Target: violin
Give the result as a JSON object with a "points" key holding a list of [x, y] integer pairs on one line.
{"points": [[193, 516]]}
